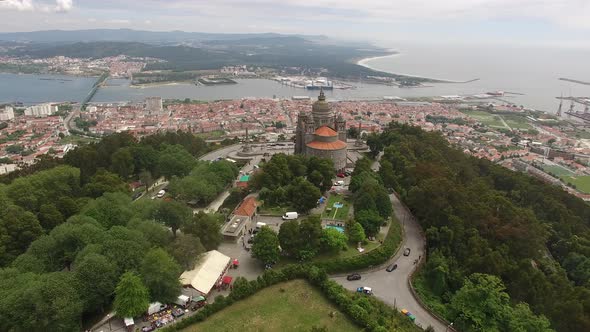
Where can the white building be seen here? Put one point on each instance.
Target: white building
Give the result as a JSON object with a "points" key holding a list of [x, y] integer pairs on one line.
{"points": [[154, 104], [6, 114], [41, 110]]}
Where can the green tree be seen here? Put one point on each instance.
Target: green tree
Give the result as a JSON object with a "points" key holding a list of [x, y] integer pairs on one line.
{"points": [[266, 246], [520, 318], [310, 233], [160, 275], [132, 298], [333, 240], [122, 162], [304, 195], [480, 303], [49, 216], [356, 233], [97, 277], [146, 179], [173, 214], [370, 220], [186, 249], [103, 181], [289, 237], [18, 228], [110, 209], [175, 160], [207, 227]]}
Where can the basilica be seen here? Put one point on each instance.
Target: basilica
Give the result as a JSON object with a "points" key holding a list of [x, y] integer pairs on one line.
{"points": [[322, 134]]}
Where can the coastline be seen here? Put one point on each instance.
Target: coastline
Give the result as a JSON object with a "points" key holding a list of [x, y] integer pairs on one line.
{"points": [[365, 63]]}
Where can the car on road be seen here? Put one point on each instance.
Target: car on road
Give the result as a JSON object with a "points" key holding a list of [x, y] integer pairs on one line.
{"points": [[347, 173], [407, 252], [391, 267], [354, 276], [365, 290], [161, 193], [148, 328], [341, 175]]}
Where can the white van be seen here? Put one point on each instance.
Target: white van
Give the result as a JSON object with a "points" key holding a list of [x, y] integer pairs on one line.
{"points": [[290, 216], [259, 225], [339, 183], [182, 300]]}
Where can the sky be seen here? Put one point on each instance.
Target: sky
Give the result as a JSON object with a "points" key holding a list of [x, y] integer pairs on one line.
{"points": [[543, 22]]}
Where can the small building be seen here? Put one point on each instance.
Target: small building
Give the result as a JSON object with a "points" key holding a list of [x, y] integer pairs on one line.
{"points": [[241, 217], [207, 273]]}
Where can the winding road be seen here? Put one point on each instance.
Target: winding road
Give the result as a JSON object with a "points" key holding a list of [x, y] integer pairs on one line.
{"points": [[393, 287]]}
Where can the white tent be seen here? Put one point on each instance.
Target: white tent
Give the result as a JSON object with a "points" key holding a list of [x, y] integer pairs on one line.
{"points": [[129, 321], [204, 276]]}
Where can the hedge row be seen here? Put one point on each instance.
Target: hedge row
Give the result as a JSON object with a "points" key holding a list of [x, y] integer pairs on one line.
{"points": [[367, 312], [374, 257]]}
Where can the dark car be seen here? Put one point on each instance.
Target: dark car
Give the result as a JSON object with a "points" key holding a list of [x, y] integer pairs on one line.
{"points": [[177, 312], [407, 252], [354, 276], [391, 267]]}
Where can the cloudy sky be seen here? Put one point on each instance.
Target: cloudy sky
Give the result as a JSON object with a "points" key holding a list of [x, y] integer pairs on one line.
{"points": [[565, 22]]}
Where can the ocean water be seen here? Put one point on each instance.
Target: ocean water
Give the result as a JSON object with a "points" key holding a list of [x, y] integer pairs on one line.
{"points": [[533, 72]]}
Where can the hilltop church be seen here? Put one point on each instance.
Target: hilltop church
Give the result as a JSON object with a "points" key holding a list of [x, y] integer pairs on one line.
{"points": [[322, 134]]}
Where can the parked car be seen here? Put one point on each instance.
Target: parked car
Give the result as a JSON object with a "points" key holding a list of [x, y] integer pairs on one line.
{"points": [[347, 173], [177, 312], [407, 252], [365, 290], [354, 276], [148, 328], [391, 267], [341, 175], [161, 193]]}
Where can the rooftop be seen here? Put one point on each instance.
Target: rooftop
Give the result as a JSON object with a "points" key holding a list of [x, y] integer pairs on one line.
{"points": [[336, 145], [325, 131]]}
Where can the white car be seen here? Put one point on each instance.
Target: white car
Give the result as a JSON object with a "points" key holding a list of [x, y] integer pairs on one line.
{"points": [[161, 193]]}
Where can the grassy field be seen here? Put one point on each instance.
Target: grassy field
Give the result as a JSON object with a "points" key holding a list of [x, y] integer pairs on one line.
{"points": [[290, 306], [339, 214], [486, 118], [275, 210], [582, 183], [557, 170], [517, 122], [213, 134], [75, 139]]}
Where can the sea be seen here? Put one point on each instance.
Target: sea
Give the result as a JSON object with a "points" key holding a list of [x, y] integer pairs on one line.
{"points": [[528, 75]]}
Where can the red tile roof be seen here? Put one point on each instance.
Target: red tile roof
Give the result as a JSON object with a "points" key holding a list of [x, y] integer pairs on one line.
{"points": [[247, 208], [325, 131], [337, 145]]}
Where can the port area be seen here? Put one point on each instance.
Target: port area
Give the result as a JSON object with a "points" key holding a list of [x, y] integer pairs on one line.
{"points": [[309, 83]]}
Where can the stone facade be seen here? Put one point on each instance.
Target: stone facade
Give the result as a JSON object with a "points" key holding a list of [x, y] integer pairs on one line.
{"points": [[322, 134]]}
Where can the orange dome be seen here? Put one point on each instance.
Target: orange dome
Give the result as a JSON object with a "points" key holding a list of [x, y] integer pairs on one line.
{"points": [[336, 145], [325, 131]]}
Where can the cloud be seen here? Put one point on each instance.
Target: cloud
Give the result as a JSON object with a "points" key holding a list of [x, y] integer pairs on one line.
{"points": [[20, 5], [58, 6], [63, 5], [117, 21]]}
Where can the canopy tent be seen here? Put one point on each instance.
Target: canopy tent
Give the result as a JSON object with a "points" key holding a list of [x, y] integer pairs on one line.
{"points": [[129, 321], [209, 269], [198, 298], [226, 280]]}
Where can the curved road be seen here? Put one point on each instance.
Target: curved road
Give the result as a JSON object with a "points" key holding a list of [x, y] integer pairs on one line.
{"points": [[393, 287]]}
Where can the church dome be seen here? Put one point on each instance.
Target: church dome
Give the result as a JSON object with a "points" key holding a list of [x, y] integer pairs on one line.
{"points": [[321, 111], [325, 131]]}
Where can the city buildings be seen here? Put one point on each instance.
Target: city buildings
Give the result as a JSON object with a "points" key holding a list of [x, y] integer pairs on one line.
{"points": [[154, 104], [6, 113], [41, 110]]}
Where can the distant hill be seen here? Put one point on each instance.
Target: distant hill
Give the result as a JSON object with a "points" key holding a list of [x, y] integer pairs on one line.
{"points": [[130, 35]]}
